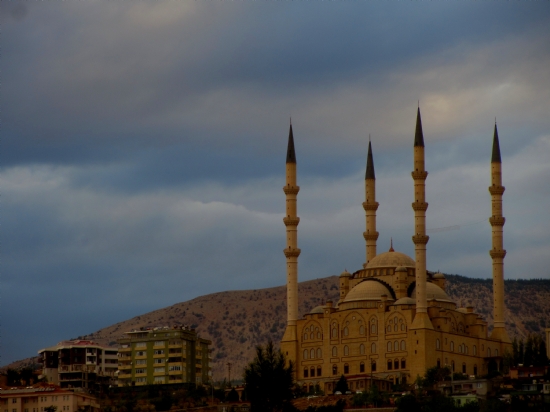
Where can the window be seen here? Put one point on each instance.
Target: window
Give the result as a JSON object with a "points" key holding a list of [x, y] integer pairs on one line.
{"points": [[159, 379], [160, 343], [463, 368], [361, 349], [334, 351], [141, 362], [312, 371], [403, 345], [158, 361], [312, 354], [141, 370], [346, 368], [319, 353], [496, 352], [389, 346], [346, 331], [361, 330], [159, 352], [141, 344], [346, 350], [140, 353], [306, 373], [395, 327], [311, 335], [403, 364], [389, 364], [319, 370], [174, 368], [453, 366], [373, 348], [305, 336], [488, 352], [475, 350], [140, 380], [334, 332], [305, 353], [452, 346], [396, 346], [157, 370], [475, 369], [318, 335], [334, 370], [373, 328], [373, 366], [389, 328], [439, 363], [362, 367], [396, 364], [403, 327]]}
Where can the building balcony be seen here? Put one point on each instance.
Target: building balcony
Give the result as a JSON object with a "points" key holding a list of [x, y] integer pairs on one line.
{"points": [[159, 373], [124, 350], [140, 357], [159, 346], [125, 366], [160, 355], [175, 373], [175, 381], [140, 374]]}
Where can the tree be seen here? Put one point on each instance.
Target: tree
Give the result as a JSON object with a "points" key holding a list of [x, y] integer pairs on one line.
{"points": [[341, 385], [268, 379], [51, 408], [232, 396]]}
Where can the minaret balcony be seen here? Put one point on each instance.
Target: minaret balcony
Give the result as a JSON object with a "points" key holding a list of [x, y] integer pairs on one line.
{"points": [[422, 206], [291, 221], [420, 239], [370, 236], [497, 220], [291, 190], [497, 253], [370, 206], [419, 175], [291, 252], [496, 190]]}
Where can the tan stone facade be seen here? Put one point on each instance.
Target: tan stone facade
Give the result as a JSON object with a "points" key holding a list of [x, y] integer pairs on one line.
{"points": [[394, 319]]}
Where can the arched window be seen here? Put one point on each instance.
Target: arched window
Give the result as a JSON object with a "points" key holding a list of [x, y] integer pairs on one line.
{"points": [[389, 328], [334, 369], [334, 351], [403, 345], [403, 364], [396, 364], [496, 352], [460, 348], [465, 349], [390, 364], [453, 365], [311, 336], [452, 346], [475, 350], [362, 367], [475, 369], [396, 346], [318, 335], [437, 344], [312, 372], [361, 330], [463, 368], [403, 327], [489, 352], [361, 349], [346, 368], [305, 336], [373, 348], [373, 366], [306, 373], [319, 353], [334, 332], [346, 331], [305, 353], [439, 363], [346, 350], [373, 328], [312, 353], [389, 346], [319, 370], [395, 327]]}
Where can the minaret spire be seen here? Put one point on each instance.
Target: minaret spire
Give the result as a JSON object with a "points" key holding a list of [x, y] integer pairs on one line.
{"points": [[370, 205], [497, 252], [291, 221], [420, 239]]}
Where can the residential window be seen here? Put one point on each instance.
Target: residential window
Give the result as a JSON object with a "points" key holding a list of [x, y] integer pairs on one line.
{"points": [[157, 370], [174, 368], [160, 343], [312, 371], [141, 344], [159, 379], [403, 345], [334, 369], [346, 368], [403, 364], [319, 353], [361, 367], [141, 370], [305, 353], [361, 349], [159, 352], [312, 353], [373, 348], [437, 344], [373, 366], [158, 361], [306, 373], [141, 362], [390, 364], [389, 346], [334, 351], [346, 350], [319, 370]]}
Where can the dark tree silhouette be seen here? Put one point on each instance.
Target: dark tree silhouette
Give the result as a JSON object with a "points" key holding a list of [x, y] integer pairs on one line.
{"points": [[268, 379], [342, 385]]}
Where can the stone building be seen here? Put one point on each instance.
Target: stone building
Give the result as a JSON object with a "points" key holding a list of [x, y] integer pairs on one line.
{"points": [[393, 319]]}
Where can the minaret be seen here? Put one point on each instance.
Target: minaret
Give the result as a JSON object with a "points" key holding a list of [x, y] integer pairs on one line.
{"points": [[370, 205], [291, 221], [497, 252], [420, 239]]}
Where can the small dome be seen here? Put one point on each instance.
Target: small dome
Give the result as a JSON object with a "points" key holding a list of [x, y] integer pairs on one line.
{"points": [[401, 269], [462, 310], [434, 292], [368, 290], [405, 301], [317, 309], [391, 259], [345, 273], [439, 276]]}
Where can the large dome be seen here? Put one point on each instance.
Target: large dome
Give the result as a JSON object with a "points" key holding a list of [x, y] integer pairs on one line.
{"points": [[368, 290], [434, 292], [391, 259]]}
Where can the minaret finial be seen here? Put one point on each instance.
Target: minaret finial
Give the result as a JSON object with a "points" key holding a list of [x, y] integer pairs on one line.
{"points": [[290, 153], [418, 135], [391, 245], [495, 158], [369, 174]]}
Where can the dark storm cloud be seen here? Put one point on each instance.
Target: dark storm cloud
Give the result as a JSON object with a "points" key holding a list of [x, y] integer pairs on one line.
{"points": [[143, 146]]}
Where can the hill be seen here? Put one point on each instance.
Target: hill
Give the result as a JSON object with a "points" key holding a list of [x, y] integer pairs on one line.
{"points": [[237, 321]]}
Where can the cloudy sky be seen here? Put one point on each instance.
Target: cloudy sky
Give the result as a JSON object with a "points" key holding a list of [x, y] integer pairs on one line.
{"points": [[143, 146]]}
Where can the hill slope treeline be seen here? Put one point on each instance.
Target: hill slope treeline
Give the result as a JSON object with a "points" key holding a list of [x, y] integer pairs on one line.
{"points": [[237, 321]]}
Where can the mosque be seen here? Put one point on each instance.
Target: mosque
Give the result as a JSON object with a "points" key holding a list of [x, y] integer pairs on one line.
{"points": [[394, 319]]}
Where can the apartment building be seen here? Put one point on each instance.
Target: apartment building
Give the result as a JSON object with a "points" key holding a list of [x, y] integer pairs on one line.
{"points": [[43, 398], [163, 356], [79, 364]]}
